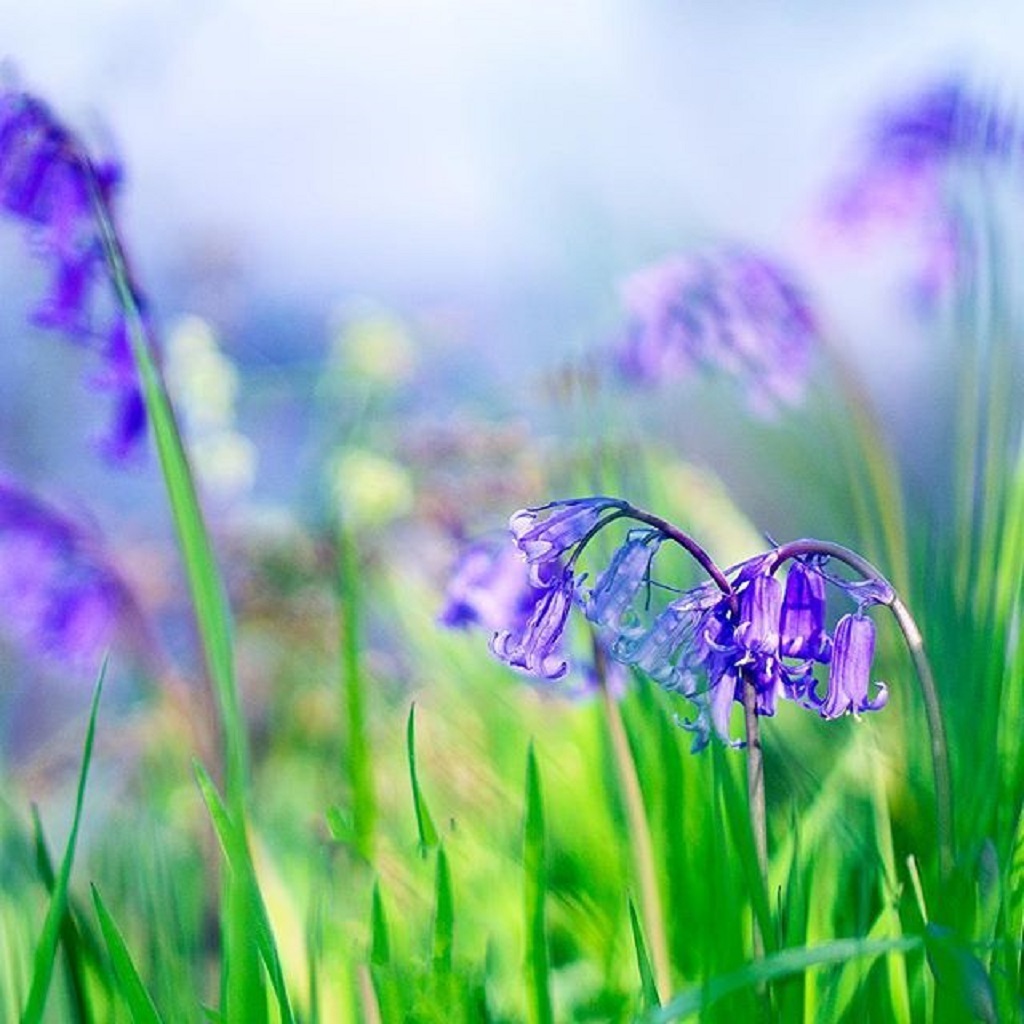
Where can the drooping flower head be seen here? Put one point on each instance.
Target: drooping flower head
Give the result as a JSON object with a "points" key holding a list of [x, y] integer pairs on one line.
{"points": [[49, 183], [741, 631], [730, 311], [61, 601]]}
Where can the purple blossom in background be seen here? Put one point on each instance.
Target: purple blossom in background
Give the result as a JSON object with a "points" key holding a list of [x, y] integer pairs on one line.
{"points": [[48, 182], [739, 628], [903, 175], [730, 311], [490, 587], [60, 599]]}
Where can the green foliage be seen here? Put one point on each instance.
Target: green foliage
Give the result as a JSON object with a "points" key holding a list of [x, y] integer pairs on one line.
{"points": [[56, 915]]}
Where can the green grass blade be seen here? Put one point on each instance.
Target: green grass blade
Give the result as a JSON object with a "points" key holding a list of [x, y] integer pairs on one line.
{"points": [[71, 938], [129, 982], [46, 949], [648, 990], [357, 755], [535, 884], [444, 917], [380, 940], [777, 965], [204, 580], [424, 823], [236, 849]]}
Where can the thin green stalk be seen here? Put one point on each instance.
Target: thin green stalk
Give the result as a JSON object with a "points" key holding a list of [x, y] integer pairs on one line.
{"points": [[242, 982], [538, 985], [357, 761], [926, 681], [206, 587], [46, 949], [640, 842]]}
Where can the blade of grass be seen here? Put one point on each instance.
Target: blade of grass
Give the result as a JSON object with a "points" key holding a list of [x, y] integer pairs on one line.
{"points": [[142, 1008], [205, 584], [444, 918], [777, 965], [424, 823], [46, 949], [535, 885], [640, 840], [380, 939], [357, 755], [236, 850], [241, 964], [382, 996], [71, 938], [648, 990]]}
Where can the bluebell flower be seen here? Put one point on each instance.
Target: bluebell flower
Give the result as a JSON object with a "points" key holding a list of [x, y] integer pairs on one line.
{"points": [[902, 175], [492, 587], [729, 311], [61, 599], [535, 646], [672, 650], [609, 606], [802, 618], [740, 632], [48, 182], [849, 676], [548, 533]]}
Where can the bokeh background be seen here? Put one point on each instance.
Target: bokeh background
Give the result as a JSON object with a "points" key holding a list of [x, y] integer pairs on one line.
{"points": [[486, 171]]}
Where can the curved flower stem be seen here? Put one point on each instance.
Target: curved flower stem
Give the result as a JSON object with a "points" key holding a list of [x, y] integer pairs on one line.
{"points": [[684, 541], [925, 678], [639, 833]]}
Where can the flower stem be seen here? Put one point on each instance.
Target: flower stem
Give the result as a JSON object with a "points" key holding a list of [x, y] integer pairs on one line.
{"points": [[639, 834], [926, 681]]}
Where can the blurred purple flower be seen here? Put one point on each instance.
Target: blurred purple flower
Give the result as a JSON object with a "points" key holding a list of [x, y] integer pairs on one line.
{"points": [[901, 181], [48, 182], [61, 600], [490, 587], [731, 311]]}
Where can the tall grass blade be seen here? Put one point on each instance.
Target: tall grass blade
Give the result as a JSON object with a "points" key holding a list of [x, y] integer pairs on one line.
{"points": [[444, 917], [777, 965], [236, 850], [205, 585], [424, 823], [46, 948], [380, 939], [535, 885], [142, 1008], [357, 754], [648, 990], [71, 938]]}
